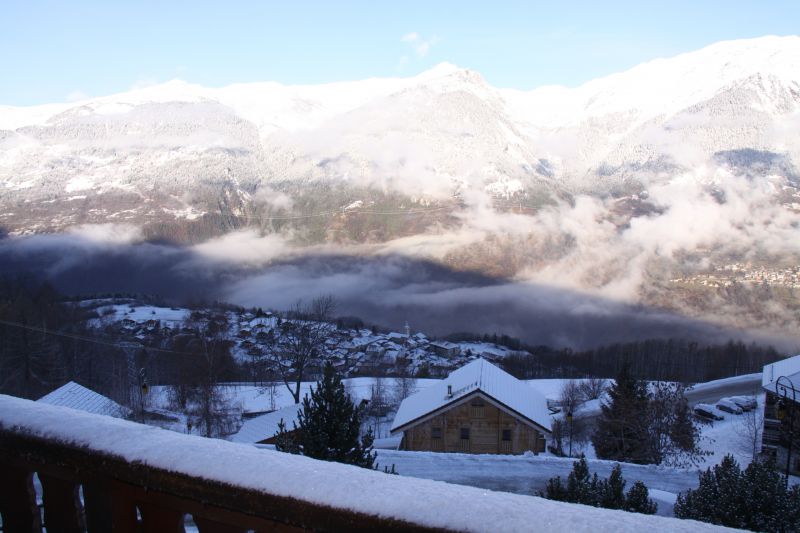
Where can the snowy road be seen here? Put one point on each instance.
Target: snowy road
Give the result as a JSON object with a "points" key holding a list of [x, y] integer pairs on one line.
{"points": [[527, 475], [711, 392]]}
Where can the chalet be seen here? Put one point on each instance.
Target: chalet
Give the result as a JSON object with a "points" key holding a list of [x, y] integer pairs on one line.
{"points": [[781, 383], [77, 396], [264, 428], [478, 408], [445, 348]]}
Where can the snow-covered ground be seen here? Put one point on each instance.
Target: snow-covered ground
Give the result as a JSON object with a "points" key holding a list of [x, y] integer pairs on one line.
{"points": [[141, 313], [528, 474]]}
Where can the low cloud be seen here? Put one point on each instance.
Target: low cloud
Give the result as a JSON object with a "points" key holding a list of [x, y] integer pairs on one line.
{"points": [[419, 44], [76, 95]]}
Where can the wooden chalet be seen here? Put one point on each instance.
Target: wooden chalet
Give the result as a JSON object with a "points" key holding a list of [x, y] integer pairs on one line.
{"points": [[777, 380], [478, 408]]}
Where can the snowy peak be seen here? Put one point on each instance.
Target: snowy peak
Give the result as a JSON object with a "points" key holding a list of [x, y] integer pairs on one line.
{"points": [[662, 86], [440, 133]]}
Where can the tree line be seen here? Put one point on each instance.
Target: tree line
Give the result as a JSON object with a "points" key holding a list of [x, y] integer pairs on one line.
{"points": [[680, 360]]}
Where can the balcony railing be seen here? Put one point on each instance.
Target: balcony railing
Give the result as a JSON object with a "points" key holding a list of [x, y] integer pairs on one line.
{"points": [[103, 474]]}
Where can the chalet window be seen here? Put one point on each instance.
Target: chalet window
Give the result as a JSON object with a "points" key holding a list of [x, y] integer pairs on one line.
{"points": [[506, 434], [476, 408], [436, 433], [464, 433]]}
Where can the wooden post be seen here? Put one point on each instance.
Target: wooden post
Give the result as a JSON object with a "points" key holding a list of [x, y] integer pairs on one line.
{"points": [[62, 505], [18, 501], [123, 510], [98, 506], [157, 518]]}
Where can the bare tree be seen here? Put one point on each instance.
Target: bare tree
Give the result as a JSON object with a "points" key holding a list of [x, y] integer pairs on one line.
{"points": [[673, 434], [749, 427], [404, 386], [378, 406], [209, 407], [570, 397], [269, 386], [574, 433], [297, 345], [593, 388]]}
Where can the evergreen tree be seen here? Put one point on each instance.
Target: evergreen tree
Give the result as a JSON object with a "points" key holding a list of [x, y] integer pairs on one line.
{"points": [[608, 493], [612, 492], [328, 426], [554, 490], [755, 499], [581, 487], [638, 500], [621, 433]]}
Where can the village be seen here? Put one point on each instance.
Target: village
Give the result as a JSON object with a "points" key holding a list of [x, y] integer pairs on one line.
{"points": [[356, 351], [745, 273]]}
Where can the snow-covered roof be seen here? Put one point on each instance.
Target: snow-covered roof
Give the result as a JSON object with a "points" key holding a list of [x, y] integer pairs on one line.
{"points": [[479, 375], [79, 397], [789, 368], [266, 426]]}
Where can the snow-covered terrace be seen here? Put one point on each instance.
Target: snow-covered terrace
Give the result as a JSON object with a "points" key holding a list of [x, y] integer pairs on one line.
{"points": [[124, 466]]}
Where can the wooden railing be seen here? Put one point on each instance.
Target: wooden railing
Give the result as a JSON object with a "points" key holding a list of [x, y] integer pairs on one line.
{"points": [[118, 495], [102, 474]]}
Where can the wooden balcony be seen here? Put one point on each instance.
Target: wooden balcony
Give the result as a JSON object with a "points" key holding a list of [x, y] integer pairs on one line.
{"points": [[104, 474], [130, 496]]}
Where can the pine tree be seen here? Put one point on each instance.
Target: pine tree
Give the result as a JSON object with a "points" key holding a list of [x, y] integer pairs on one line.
{"points": [[755, 499], [621, 433], [581, 487], [612, 493], [554, 490], [328, 426], [609, 493], [638, 500]]}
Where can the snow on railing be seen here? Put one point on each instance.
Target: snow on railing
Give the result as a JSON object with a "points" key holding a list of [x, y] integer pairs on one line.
{"points": [[124, 467]]}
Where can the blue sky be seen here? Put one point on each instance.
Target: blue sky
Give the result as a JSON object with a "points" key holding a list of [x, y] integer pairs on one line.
{"points": [[60, 50]]}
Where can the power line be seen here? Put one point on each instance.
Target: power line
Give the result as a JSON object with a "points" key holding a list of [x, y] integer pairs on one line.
{"points": [[83, 338]]}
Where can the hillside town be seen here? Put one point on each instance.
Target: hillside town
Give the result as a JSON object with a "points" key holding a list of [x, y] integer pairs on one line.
{"points": [[745, 273], [354, 350]]}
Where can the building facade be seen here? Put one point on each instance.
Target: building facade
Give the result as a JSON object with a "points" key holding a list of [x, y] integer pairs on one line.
{"points": [[476, 409]]}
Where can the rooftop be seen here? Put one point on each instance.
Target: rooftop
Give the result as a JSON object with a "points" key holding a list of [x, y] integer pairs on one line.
{"points": [[77, 396], [789, 367], [481, 375], [266, 426]]}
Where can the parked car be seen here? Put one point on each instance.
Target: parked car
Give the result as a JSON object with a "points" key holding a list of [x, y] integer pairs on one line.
{"points": [[747, 403], [707, 411], [729, 406]]}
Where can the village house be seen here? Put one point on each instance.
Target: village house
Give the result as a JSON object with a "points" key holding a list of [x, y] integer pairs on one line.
{"points": [[77, 396], [264, 428], [782, 412], [478, 408], [445, 348]]}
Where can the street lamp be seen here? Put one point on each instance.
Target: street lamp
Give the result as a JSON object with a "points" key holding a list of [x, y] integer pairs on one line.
{"points": [[569, 420], [782, 386]]}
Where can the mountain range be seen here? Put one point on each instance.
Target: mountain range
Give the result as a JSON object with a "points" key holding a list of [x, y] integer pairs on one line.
{"points": [[616, 186]]}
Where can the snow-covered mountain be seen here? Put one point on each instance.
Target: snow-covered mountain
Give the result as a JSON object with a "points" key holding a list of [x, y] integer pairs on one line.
{"points": [[181, 152]]}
